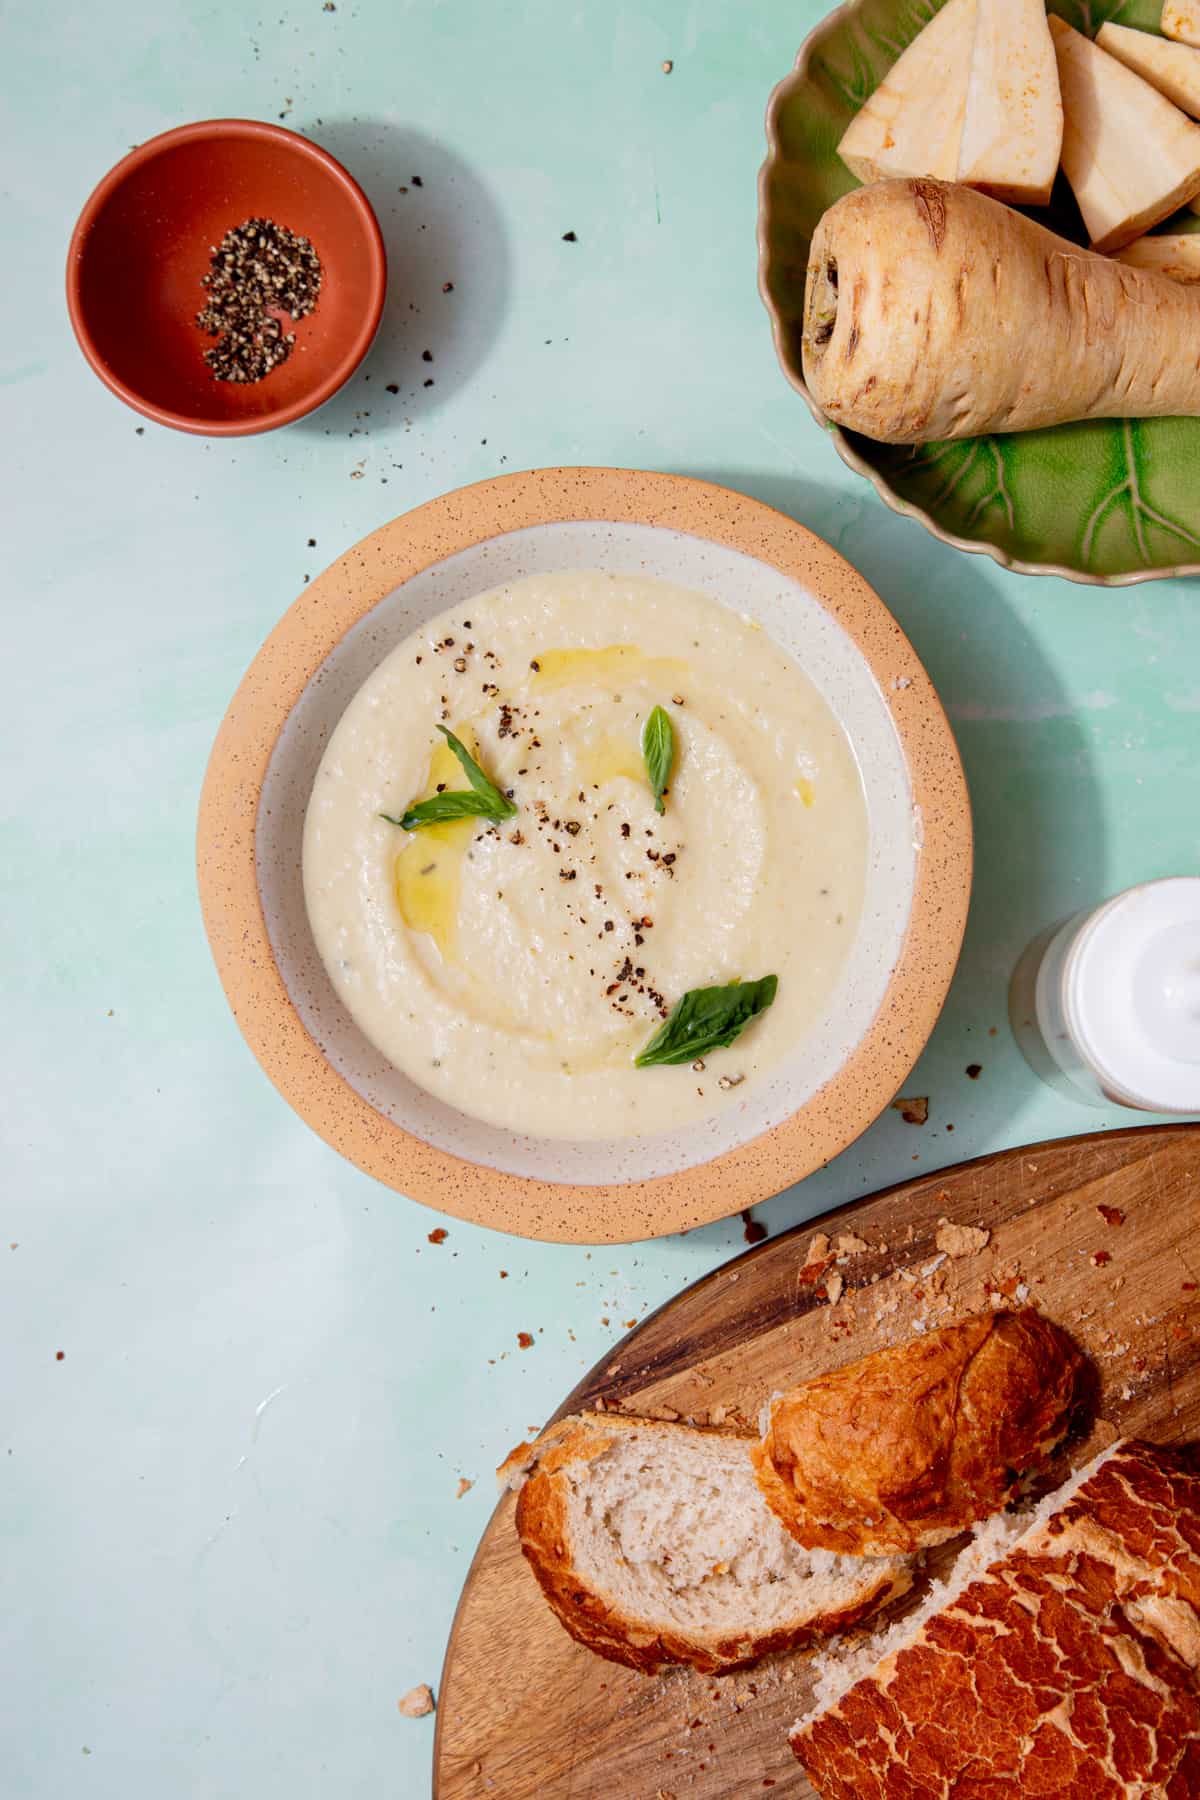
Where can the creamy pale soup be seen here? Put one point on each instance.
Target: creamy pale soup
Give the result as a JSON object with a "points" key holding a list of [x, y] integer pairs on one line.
{"points": [[515, 967]]}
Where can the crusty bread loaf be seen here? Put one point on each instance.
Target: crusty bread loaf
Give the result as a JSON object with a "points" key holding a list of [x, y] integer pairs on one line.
{"points": [[653, 1545], [913, 1444], [1070, 1667]]}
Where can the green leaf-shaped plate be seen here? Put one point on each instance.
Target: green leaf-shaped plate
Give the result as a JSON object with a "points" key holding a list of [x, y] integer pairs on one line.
{"points": [[1115, 501]]}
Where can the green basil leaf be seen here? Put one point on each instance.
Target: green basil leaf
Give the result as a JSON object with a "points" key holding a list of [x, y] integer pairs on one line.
{"points": [[707, 1019], [485, 801], [658, 753], [486, 789], [439, 807]]}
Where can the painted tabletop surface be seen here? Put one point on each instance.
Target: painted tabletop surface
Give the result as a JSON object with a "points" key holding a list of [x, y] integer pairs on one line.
{"points": [[241, 1387]]}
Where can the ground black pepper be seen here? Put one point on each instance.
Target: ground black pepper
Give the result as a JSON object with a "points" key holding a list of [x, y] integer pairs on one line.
{"points": [[258, 270]]}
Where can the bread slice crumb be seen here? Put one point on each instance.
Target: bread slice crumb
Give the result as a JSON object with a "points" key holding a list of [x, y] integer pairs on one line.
{"points": [[818, 1249], [417, 1702], [464, 1487], [961, 1240], [849, 1245]]}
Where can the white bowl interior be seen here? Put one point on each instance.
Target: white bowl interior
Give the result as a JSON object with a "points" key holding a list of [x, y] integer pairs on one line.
{"points": [[801, 626]]}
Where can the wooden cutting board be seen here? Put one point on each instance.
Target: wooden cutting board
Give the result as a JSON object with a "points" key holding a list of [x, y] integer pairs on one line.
{"points": [[1102, 1233]]}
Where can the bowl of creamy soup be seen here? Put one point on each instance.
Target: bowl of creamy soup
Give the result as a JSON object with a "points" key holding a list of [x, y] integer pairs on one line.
{"points": [[587, 854]]}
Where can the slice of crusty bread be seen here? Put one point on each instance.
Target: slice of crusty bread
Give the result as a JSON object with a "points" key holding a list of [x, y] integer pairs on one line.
{"points": [[1066, 1663], [653, 1545], [905, 1448]]}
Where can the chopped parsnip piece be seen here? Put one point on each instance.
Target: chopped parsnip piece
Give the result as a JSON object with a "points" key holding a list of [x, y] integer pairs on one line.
{"points": [[1174, 69], [1173, 253], [912, 124], [1181, 21], [1130, 156], [1013, 124]]}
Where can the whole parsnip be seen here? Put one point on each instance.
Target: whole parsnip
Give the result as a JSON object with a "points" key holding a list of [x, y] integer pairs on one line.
{"points": [[933, 312]]}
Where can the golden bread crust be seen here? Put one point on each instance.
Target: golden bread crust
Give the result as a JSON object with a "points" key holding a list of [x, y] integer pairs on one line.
{"points": [[1070, 1668], [913, 1444]]}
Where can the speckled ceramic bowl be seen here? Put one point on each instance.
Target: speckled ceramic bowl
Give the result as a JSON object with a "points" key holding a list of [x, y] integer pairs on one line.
{"points": [[266, 754], [1109, 502]]}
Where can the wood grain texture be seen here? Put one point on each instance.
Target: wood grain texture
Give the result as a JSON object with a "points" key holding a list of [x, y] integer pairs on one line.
{"points": [[524, 1711]]}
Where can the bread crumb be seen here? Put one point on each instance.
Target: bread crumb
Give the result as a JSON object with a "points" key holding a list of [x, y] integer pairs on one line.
{"points": [[833, 1288], [1112, 1215], [464, 1487], [1100, 1257], [818, 1248], [525, 1340], [849, 1245], [417, 1702], [913, 1108], [961, 1240], [716, 1415]]}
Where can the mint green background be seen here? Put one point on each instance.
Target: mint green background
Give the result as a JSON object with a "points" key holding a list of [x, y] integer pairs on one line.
{"points": [[228, 1532]]}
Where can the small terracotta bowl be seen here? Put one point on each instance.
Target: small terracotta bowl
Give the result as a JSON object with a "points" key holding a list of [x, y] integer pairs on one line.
{"points": [[145, 238]]}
